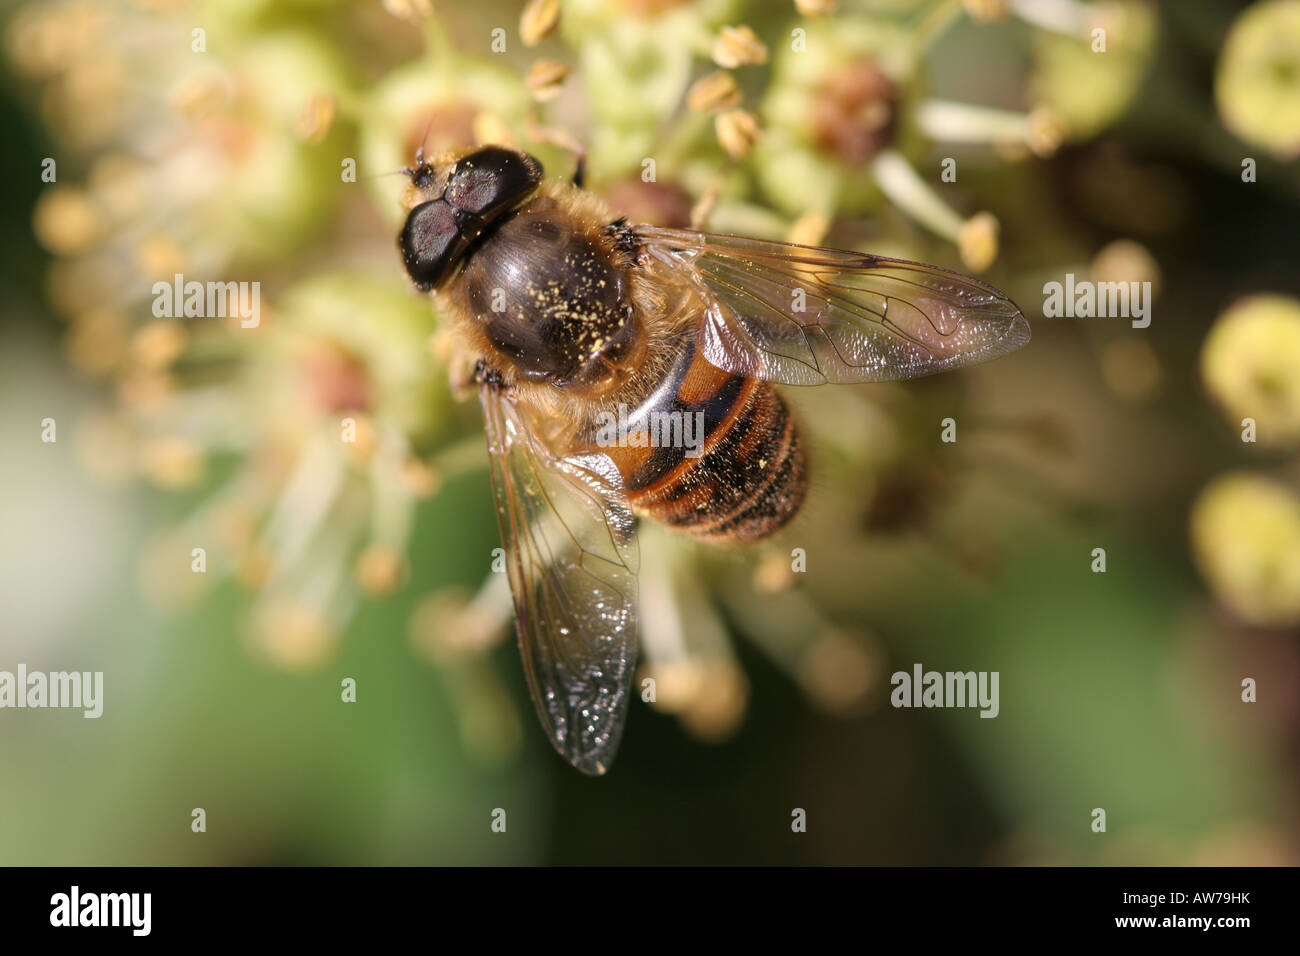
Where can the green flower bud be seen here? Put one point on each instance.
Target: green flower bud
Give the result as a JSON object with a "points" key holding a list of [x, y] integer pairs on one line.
{"points": [[1257, 82], [1246, 539], [1088, 81], [1251, 365]]}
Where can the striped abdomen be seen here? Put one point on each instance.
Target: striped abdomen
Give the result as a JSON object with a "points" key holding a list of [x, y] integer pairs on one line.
{"points": [[711, 454]]}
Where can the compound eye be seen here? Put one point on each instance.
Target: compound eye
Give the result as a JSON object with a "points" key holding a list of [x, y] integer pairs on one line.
{"points": [[430, 242], [486, 181]]}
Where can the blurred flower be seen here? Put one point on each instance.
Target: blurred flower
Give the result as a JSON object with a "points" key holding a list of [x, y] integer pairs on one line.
{"points": [[829, 113], [717, 708], [853, 112], [1126, 261], [380, 570], [1041, 131], [172, 462], [843, 128], [976, 238], [978, 241], [316, 118], [841, 672], [1257, 81], [451, 623], [737, 130], [1250, 361], [545, 79], [44, 39], [538, 21], [293, 636], [1085, 87], [66, 221], [1246, 539], [738, 46], [158, 344], [715, 91], [643, 60], [773, 574], [97, 341]]}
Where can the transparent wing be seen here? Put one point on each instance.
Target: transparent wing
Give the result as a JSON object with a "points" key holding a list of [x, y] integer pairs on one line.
{"points": [[798, 315], [569, 538]]}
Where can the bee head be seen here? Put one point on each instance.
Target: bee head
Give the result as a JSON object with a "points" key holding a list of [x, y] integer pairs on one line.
{"points": [[452, 199]]}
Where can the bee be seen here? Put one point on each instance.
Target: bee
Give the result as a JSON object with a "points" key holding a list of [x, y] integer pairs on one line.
{"points": [[576, 318]]}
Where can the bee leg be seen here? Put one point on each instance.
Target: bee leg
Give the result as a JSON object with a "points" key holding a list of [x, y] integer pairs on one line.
{"points": [[465, 381], [483, 375], [624, 236], [560, 138]]}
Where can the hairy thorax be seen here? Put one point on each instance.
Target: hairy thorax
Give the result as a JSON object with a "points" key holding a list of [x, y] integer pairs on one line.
{"points": [[554, 301]]}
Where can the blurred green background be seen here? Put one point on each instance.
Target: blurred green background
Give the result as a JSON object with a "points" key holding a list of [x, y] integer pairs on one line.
{"points": [[371, 560]]}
